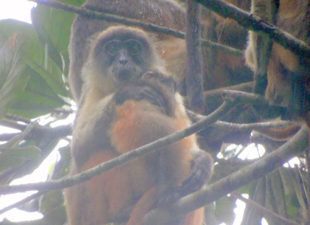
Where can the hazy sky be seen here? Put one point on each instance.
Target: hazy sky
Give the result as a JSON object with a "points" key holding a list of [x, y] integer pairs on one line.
{"points": [[17, 9]]}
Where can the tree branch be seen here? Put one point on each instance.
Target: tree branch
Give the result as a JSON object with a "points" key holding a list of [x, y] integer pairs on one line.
{"points": [[247, 86], [21, 202], [245, 97], [244, 18], [261, 44], [234, 181], [37, 130], [242, 126], [132, 22], [251, 22], [193, 79], [13, 124], [122, 159]]}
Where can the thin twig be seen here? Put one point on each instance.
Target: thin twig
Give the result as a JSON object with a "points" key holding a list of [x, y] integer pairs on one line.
{"points": [[245, 97], [21, 202], [242, 126], [247, 86], [263, 209]]}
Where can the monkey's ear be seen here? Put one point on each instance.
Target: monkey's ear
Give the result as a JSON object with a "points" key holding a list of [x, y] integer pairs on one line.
{"points": [[160, 78]]}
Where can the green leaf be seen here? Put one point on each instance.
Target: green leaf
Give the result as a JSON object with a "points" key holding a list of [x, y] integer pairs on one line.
{"points": [[35, 97], [10, 69], [13, 157], [56, 84], [292, 211], [53, 28], [40, 87]]}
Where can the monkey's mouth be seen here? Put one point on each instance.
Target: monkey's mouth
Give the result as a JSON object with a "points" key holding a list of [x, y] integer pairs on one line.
{"points": [[125, 75]]}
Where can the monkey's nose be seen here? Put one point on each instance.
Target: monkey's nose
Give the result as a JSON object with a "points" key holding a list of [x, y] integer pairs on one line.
{"points": [[123, 61], [123, 57]]}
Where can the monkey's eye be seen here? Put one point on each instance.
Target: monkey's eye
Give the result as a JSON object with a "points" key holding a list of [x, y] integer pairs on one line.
{"points": [[112, 47], [134, 47]]}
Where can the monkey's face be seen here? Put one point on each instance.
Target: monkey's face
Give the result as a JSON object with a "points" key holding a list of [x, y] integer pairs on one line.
{"points": [[125, 59], [124, 56]]}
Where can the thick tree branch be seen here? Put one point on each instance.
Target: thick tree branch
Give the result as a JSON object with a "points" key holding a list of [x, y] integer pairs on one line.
{"points": [[5, 137], [37, 130], [193, 79], [132, 22], [244, 18], [14, 141], [13, 124], [251, 22], [17, 118], [261, 44], [234, 181], [122, 159]]}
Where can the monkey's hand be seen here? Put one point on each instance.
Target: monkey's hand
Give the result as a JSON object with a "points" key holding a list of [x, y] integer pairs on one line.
{"points": [[157, 77], [202, 167]]}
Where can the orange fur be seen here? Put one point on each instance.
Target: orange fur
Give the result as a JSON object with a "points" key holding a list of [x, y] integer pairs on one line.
{"points": [[102, 199], [101, 208]]}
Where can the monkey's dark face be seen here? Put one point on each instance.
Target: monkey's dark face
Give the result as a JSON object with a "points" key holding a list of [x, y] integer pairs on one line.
{"points": [[123, 56]]}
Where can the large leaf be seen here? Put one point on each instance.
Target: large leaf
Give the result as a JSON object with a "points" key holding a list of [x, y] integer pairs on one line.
{"points": [[53, 28], [10, 69], [41, 86]]}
